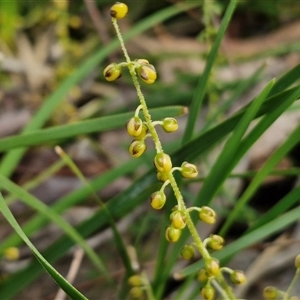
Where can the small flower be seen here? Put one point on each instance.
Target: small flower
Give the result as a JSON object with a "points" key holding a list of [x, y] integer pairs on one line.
{"points": [[212, 267], [112, 72], [187, 252], [208, 293], [135, 126], [162, 162], [135, 280], [137, 148], [188, 170], [136, 292], [169, 125], [270, 293], [177, 220], [237, 277], [158, 200], [11, 253], [207, 215], [172, 234], [119, 10], [202, 275], [143, 132], [147, 73], [215, 242]]}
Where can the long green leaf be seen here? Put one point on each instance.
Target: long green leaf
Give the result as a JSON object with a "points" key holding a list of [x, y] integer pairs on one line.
{"points": [[38, 137], [119, 207], [60, 280], [69, 200], [286, 80], [272, 161], [52, 215], [292, 198], [220, 170], [200, 89]]}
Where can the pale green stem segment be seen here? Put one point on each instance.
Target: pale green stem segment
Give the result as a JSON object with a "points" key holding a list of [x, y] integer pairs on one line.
{"points": [[290, 288], [148, 287], [181, 205], [138, 90]]}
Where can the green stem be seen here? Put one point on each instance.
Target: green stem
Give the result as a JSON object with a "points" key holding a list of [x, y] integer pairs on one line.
{"points": [[181, 205], [148, 287], [288, 291], [141, 97]]}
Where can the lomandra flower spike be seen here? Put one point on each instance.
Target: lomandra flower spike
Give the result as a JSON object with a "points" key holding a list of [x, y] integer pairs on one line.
{"points": [[180, 216]]}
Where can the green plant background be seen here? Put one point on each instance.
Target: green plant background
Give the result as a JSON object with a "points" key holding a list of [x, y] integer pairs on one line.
{"points": [[58, 119]]}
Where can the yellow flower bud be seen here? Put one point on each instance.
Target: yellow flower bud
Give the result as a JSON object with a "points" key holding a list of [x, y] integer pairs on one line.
{"points": [[202, 275], [137, 148], [158, 200], [207, 215], [216, 242], [187, 252], [208, 293], [147, 73], [172, 234], [161, 176], [135, 280], [270, 293], [119, 10], [11, 253], [212, 267], [162, 162], [136, 292], [237, 277], [135, 127], [169, 125], [177, 219], [112, 72], [143, 132], [189, 170]]}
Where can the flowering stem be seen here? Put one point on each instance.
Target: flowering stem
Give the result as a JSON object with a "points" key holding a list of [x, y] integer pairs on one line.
{"points": [[181, 205], [141, 97]]}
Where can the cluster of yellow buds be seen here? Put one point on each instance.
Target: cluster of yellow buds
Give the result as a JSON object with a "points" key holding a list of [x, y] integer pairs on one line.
{"points": [[211, 270], [180, 215], [137, 286]]}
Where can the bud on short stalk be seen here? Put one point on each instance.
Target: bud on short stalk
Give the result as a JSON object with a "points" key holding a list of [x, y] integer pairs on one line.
{"points": [[147, 73], [189, 170], [177, 219], [187, 252], [119, 10], [112, 72], [237, 277], [215, 242], [207, 215], [169, 125], [137, 148], [172, 234], [135, 126], [208, 293], [158, 200], [162, 162]]}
